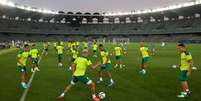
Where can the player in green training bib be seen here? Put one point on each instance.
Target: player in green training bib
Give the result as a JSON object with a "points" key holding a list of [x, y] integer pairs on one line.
{"points": [[55, 45], [85, 44], [79, 68], [59, 49], [21, 59], [105, 66], [145, 57], [94, 48], [74, 55], [185, 69], [46, 45], [62, 43], [118, 55], [33, 53]]}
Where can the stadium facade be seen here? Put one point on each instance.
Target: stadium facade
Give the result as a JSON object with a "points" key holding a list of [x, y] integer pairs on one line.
{"points": [[182, 24]]}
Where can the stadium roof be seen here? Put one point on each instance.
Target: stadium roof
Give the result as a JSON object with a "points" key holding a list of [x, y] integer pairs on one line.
{"points": [[13, 11], [177, 4], [98, 5]]}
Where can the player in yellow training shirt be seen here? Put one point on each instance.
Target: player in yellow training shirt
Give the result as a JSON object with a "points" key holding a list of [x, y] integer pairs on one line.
{"points": [[62, 43], [55, 45], [94, 48], [21, 59], [46, 45], [118, 55], [33, 53], [85, 44], [145, 57], [105, 66], [185, 66], [77, 44], [74, 55], [59, 49], [80, 66]]}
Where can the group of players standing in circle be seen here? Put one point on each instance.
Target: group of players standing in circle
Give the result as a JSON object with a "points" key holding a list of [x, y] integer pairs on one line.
{"points": [[80, 62]]}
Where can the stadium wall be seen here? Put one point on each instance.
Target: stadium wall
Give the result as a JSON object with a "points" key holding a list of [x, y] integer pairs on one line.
{"points": [[155, 31]]}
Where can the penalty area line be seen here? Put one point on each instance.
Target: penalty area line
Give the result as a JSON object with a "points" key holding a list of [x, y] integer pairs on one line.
{"points": [[24, 94]]}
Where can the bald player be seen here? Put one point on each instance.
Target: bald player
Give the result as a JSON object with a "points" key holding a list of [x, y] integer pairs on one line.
{"points": [[79, 68]]}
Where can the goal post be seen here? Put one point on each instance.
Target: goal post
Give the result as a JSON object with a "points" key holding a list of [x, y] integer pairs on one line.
{"points": [[121, 40]]}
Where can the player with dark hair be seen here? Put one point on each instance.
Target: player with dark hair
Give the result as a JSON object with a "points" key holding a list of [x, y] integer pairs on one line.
{"points": [[118, 55], [95, 48], [185, 66], [145, 58], [21, 59], [46, 45], [105, 66], [34, 57], [59, 49]]}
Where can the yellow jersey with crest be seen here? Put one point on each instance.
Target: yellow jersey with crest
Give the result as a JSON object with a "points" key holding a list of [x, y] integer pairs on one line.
{"points": [[185, 58], [81, 66], [22, 56], [117, 51], [144, 52], [105, 57], [33, 53]]}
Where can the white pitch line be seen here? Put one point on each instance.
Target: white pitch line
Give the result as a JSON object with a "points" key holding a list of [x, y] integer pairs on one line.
{"points": [[23, 97]]}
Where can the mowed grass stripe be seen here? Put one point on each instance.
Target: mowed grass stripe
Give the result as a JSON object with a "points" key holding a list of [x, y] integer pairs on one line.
{"points": [[9, 90], [160, 84], [48, 84]]}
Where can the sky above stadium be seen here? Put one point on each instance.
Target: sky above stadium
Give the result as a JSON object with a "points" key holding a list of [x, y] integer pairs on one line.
{"points": [[97, 5]]}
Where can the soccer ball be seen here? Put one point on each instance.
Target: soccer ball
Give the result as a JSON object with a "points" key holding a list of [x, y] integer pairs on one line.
{"points": [[143, 72], [101, 95], [163, 44], [194, 68], [174, 66]]}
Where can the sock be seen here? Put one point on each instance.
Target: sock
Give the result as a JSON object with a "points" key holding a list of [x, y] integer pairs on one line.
{"points": [[184, 93], [23, 83], [62, 94], [70, 68], [36, 68], [101, 79], [187, 90], [143, 70], [93, 95], [111, 80]]}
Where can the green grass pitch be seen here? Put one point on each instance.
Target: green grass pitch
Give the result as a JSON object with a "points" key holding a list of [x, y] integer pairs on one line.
{"points": [[160, 84]]}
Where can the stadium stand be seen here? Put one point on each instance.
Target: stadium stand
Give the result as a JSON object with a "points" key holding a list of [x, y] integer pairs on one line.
{"points": [[182, 23]]}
